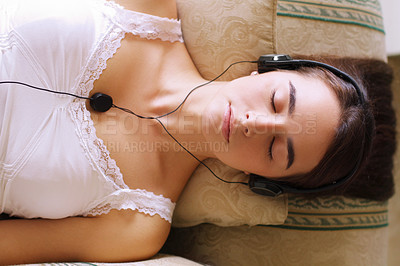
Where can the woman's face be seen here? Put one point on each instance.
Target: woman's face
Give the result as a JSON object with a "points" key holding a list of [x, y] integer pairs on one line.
{"points": [[274, 124]]}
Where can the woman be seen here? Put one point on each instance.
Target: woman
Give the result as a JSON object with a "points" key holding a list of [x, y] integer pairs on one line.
{"points": [[105, 184]]}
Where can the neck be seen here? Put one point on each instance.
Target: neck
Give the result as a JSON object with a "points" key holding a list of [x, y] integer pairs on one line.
{"points": [[185, 124]]}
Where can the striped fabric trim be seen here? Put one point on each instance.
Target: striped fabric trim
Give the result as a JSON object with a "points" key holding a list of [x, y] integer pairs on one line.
{"points": [[334, 213], [365, 13]]}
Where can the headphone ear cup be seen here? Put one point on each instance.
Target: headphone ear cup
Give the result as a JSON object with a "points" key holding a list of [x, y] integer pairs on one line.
{"points": [[273, 62], [262, 186]]}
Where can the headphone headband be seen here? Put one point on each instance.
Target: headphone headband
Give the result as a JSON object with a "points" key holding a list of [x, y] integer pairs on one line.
{"points": [[269, 187], [273, 62]]}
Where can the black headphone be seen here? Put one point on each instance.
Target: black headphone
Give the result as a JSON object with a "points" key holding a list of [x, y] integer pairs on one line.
{"points": [[102, 102], [268, 187]]}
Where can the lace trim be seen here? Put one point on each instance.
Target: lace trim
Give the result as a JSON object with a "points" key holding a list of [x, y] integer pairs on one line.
{"points": [[145, 25], [135, 199], [94, 147], [98, 62]]}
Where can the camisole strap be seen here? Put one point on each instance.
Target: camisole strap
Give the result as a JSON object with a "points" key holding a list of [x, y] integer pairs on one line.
{"points": [[134, 199], [146, 25]]}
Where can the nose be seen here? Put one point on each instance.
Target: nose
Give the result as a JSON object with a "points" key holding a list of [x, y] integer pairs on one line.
{"points": [[255, 124]]}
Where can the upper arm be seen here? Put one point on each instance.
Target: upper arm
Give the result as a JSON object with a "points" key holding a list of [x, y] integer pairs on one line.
{"points": [[118, 236]]}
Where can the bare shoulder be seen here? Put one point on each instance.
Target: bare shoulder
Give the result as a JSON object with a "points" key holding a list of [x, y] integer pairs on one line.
{"points": [[139, 226], [161, 8], [114, 237], [132, 230]]}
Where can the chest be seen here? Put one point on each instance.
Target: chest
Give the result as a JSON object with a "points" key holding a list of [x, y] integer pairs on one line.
{"points": [[138, 70], [147, 157]]}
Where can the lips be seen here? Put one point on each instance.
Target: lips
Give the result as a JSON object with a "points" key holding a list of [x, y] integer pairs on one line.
{"points": [[226, 123]]}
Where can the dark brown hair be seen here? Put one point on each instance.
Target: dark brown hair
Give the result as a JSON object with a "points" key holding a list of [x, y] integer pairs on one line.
{"points": [[369, 128]]}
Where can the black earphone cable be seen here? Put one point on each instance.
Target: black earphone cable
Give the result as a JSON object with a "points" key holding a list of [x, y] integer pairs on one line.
{"points": [[43, 89], [157, 118], [187, 96], [201, 162]]}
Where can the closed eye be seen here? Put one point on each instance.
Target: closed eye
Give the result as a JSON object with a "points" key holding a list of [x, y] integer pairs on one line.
{"points": [[272, 99], [270, 149]]}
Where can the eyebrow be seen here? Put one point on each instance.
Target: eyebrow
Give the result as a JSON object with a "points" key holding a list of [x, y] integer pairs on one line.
{"points": [[290, 157], [292, 105], [292, 97]]}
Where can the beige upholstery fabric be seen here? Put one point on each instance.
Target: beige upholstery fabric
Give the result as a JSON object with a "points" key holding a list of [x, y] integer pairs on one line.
{"points": [[335, 213], [322, 38], [331, 27], [218, 33], [258, 245], [326, 232], [208, 200]]}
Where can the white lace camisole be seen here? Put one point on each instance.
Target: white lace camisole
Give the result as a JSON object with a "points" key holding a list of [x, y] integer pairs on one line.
{"points": [[52, 164]]}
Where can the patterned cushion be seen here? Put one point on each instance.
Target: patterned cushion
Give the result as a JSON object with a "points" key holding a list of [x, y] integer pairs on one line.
{"points": [[218, 33], [208, 200], [316, 27]]}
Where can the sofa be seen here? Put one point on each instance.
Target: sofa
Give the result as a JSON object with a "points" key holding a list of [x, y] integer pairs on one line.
{"points": [[226, 224], [220, 224]]}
